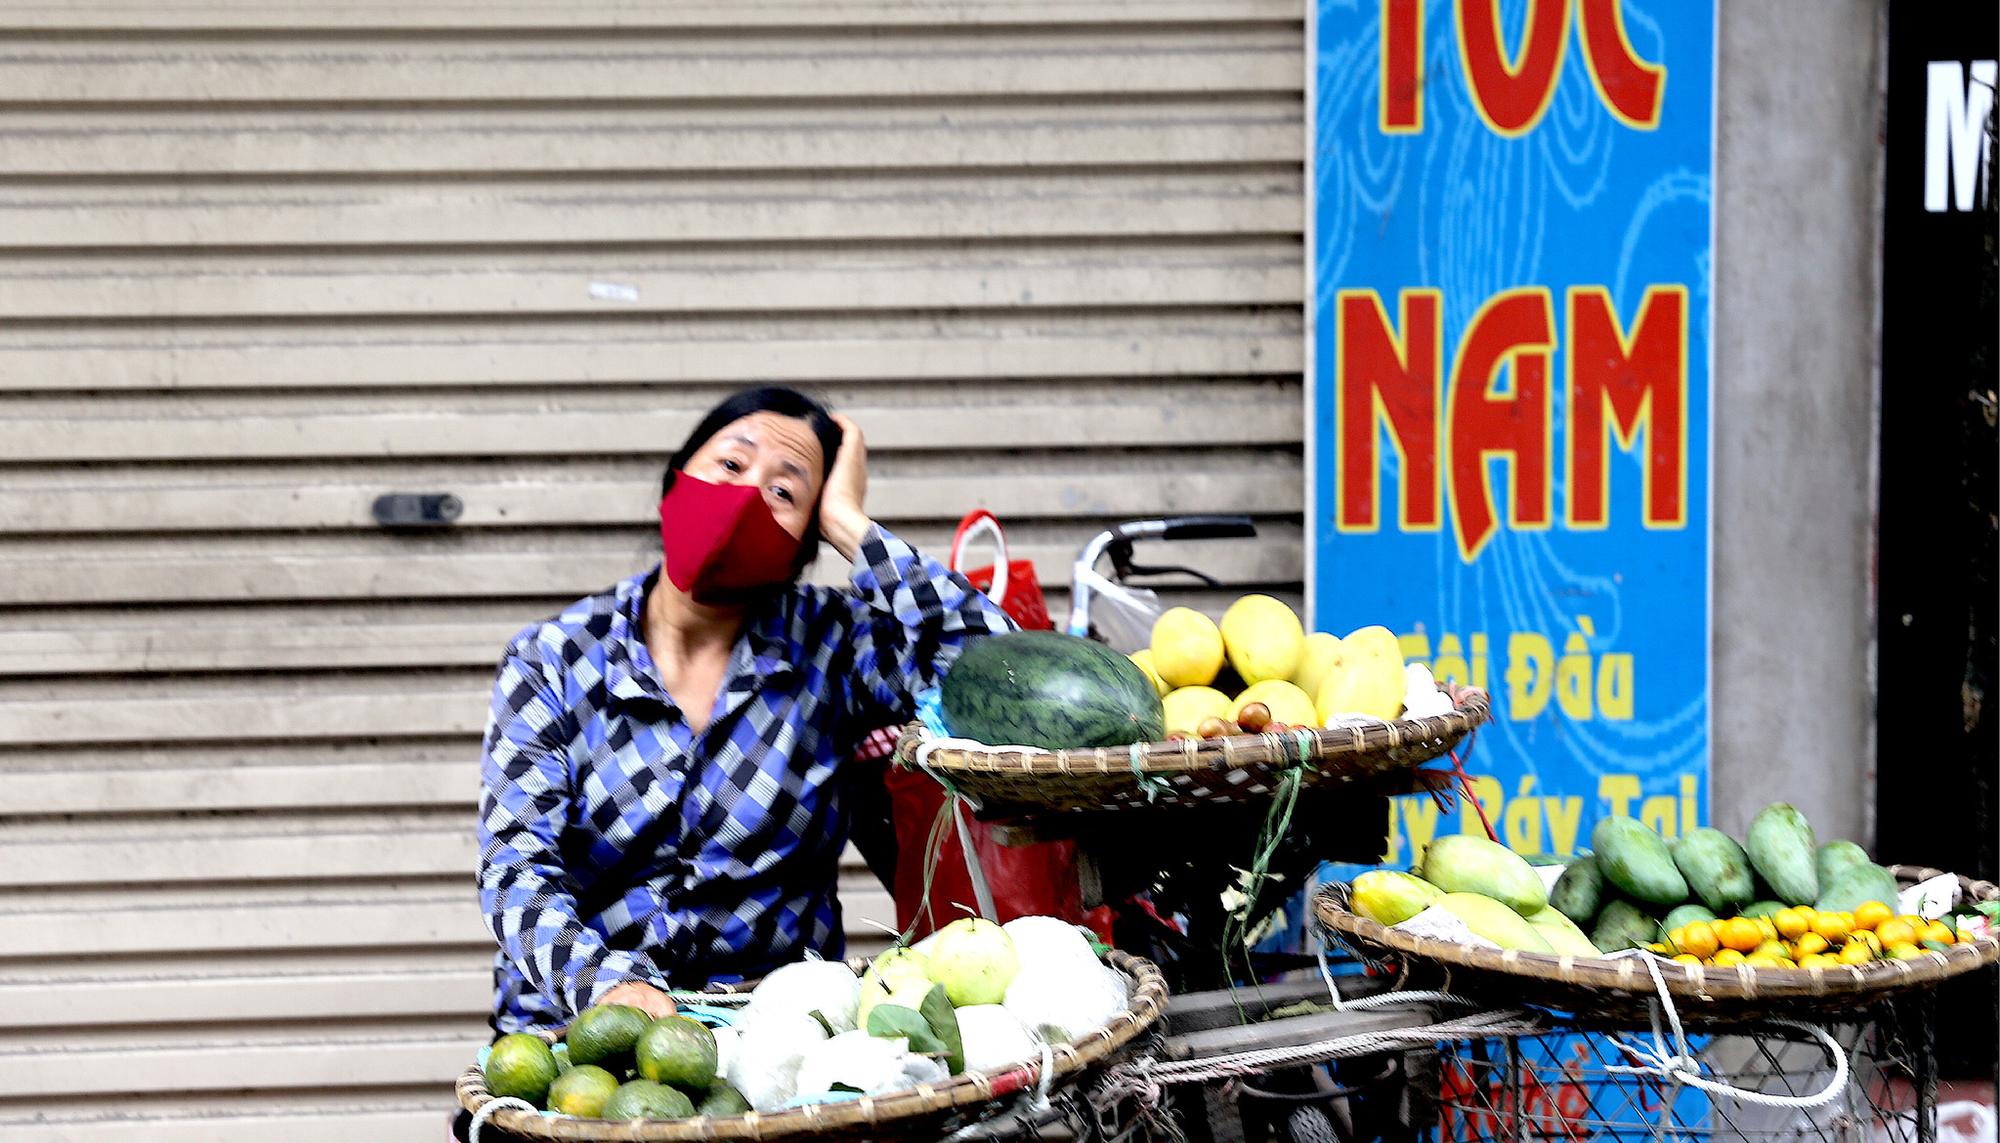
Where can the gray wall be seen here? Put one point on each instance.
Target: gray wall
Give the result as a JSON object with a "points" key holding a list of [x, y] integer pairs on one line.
{"points": [[1796, 263]]}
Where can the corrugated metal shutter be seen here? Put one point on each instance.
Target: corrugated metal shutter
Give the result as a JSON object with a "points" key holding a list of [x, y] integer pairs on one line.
{"points": [[261, 262]]}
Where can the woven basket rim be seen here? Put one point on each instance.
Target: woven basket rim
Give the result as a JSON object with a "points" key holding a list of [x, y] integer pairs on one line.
{"points": [[1148, 1001], [1284, 749], [1626, 977]]}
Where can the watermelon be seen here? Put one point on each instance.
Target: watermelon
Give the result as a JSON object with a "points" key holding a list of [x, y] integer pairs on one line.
{"points": [[1058, 692]]}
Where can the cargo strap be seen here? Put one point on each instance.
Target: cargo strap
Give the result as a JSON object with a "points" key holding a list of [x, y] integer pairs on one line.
{"points": [[982, 893], [1679, 1065]]}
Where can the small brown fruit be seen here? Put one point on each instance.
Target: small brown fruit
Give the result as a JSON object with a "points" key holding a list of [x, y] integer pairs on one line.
{"points": [[1254, 718]]}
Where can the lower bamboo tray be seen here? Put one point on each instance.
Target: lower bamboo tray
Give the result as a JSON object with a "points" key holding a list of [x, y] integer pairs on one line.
{"points": [[931, 1110]]}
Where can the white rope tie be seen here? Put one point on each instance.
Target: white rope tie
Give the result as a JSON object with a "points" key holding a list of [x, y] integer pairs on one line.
{"points": [[1681, 1066], [1047, 1080], [1380, 999], [485, 1113]]}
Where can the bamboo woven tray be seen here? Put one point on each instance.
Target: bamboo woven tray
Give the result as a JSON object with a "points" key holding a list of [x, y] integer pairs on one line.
{"points": [[931, 1110], [1195, 772], [1619, 990]]}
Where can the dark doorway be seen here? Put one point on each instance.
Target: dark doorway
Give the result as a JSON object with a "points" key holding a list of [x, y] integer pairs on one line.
{"points": [[1936, 749]]}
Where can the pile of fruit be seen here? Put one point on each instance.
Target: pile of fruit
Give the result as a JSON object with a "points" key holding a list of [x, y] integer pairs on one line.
{"points": [[1258, 670], [1254, 672], [1484, 886], [1775, 901], [1800, 936], [973, 997]]}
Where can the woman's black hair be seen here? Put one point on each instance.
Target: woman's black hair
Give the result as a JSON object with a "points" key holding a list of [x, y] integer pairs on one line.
{"points": [[785, 403]]}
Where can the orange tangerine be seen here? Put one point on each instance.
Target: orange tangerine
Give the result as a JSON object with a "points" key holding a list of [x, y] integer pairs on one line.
{"points": [[1727, 958], [1903, 950], [1940, 932], [1896, 932], [1812, 943], [1688, 958], [1768, 960], [1791, 924], [1820, 960], [1658, 949], [1833, 926], [1699, 938], [1868, 940], [1767, 927], [1872, 914], [1856, 952], [1739, 933], [1772, 948]]}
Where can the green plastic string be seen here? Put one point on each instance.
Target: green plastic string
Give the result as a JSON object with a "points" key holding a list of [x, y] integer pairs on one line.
{"points": [[933, 849], [933, 857], [1153, 784], [1277, 826]]}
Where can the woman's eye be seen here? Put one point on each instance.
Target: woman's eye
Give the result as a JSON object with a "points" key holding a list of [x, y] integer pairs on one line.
{"points": [[784, 493], [731, 466]]}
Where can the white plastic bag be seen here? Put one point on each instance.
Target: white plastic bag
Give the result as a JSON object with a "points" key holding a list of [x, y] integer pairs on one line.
{"points": [[1124, 615]]}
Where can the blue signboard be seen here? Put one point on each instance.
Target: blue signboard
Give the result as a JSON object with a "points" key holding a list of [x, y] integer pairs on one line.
{"points": [[1511, 260]]}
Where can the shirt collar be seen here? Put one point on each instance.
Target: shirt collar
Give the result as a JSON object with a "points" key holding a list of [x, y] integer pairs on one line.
{"points": [[762, 651]]}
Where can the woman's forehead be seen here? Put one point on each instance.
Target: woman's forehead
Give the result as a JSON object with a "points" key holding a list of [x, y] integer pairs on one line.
{"points": [[789, 439]]}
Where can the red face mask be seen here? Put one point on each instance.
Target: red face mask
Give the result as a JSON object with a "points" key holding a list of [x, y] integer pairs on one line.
{"points": [[721, 541]]}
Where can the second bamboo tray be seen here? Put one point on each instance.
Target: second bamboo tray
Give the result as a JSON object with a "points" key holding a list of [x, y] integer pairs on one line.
{"points": [[1195, 772]]}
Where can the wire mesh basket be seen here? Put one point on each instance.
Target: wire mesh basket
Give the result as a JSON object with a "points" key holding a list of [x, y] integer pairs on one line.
{"points": [[1566, 1086]]}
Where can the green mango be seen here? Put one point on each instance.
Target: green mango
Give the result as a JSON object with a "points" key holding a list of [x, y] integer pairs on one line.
{"points": [[1579, 891], [1634, 859], [1496, 921], [1390, 898], [1686, 915], [1623, 925], [1716, 868], [1462, 863], [1561, 933], [1855, 886], [1780, 844], [1835, 856]]}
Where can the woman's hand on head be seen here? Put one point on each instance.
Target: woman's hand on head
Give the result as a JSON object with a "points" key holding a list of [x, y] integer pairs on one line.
{"points": [[640, 995], [842, 520]]}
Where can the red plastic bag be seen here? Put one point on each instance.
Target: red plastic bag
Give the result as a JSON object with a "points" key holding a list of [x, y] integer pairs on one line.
{"points": [[1010, 583], [1026, 881]]}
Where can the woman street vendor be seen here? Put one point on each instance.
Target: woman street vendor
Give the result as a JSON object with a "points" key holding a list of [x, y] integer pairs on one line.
{"points": [[661, 804]]}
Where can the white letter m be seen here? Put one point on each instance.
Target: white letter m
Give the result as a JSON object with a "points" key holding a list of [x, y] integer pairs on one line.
{"points": [[1955, 146]]}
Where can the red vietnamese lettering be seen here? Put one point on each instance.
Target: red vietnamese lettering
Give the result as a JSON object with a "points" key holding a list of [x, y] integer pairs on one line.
{"points": [[1402, 96], [1512, 95], [1381, 379], [1630, 87], [1515, 328], [1640, 381]]}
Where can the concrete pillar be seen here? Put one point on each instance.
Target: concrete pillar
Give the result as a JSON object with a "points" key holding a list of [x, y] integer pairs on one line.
{"points": [[1797, 224]]}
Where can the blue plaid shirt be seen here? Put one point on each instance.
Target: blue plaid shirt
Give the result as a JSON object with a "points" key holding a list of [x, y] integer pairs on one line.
{"points": [[616, 844]]}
